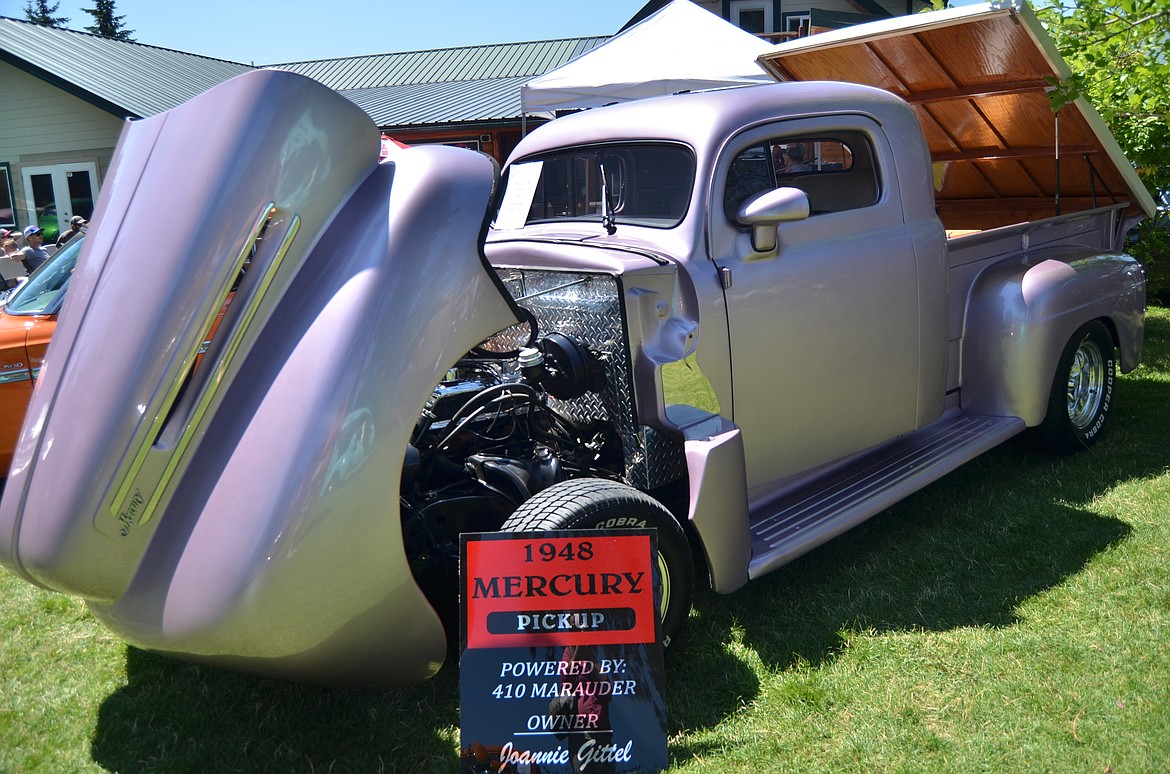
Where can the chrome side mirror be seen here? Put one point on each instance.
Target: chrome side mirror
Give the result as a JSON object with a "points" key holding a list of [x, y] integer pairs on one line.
{"points": [[764, 211]]}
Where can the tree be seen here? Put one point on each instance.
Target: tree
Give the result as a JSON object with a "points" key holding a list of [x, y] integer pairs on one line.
{"points": [[40, 12], [1116, 48], [106, 23]]}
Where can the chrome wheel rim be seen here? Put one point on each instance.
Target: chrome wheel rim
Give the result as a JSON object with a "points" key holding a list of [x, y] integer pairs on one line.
{"points": [[1086, 384], [664, 573]]}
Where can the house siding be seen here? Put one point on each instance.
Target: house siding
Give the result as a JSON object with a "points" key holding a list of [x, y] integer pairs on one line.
{"points": [[781, 10], [42, 125]]}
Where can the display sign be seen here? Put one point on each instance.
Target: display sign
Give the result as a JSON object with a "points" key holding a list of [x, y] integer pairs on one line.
{"points": [[561, 657], [519, 195]]}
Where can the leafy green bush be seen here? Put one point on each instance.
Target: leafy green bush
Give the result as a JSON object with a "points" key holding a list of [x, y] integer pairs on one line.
{"points": [[1151, 246]]}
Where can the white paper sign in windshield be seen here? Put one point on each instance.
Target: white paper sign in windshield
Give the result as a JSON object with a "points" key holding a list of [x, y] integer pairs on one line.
{"points": [[522, 180]]}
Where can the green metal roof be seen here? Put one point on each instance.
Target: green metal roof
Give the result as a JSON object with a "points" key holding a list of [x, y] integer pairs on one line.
{"points": [[123, 78], [444, 65], [433, 104], [446, 86]]}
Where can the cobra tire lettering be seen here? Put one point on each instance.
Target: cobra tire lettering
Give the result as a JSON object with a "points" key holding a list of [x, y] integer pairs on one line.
{"points": [[622, 522]]}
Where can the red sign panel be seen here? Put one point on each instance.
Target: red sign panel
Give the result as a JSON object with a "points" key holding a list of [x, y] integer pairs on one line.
{"points": [[537, 590]]}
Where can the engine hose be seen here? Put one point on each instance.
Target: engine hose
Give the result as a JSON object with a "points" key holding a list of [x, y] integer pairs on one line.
{"points": [[458, 421]]}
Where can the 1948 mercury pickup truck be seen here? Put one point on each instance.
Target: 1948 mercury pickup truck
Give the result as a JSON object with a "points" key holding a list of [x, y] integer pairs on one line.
{"points": [[750, 318]]}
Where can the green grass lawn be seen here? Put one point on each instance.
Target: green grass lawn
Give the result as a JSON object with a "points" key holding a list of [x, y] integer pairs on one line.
{"points": [[1014, 616]]}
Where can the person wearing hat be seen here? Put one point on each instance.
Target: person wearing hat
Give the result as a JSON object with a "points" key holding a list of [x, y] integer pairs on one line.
{"points": [[14, 235], [75, 225], [11, 269], [33, 254]]}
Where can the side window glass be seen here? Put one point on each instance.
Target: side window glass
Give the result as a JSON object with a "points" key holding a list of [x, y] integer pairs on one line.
{"points": [[805, 155], [751, 173], [837, 171]]}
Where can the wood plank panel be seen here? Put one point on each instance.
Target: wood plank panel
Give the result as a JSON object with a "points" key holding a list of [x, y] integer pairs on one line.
{"points": [[964, 123], [987, 51], [855, 64], [1020, 119], [914, 64]]}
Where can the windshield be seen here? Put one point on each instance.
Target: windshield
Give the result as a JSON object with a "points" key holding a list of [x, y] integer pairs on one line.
{"points": [[646, 184], [46, 286]]}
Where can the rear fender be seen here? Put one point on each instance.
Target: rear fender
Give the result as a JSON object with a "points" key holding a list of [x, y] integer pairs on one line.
{"points": [[1022, 312]]}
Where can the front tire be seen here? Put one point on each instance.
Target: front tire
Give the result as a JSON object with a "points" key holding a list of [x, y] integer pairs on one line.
{"points": [[1081, 398], [594, 503]]}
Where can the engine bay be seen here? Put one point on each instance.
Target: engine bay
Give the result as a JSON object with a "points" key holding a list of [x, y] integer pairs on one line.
{"points": [[538, 403]]}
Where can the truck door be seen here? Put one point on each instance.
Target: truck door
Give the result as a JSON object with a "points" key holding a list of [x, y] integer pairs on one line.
{"points": [[824, 330]]}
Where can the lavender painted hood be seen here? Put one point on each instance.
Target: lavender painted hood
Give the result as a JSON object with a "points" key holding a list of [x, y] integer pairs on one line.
{"points": [[240, 505]]}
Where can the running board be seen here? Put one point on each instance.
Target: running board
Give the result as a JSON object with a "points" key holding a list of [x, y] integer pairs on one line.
{"points": [[800, 519]]}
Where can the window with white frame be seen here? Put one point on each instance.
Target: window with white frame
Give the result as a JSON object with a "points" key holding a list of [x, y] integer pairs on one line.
{"points": [[794, 21]]}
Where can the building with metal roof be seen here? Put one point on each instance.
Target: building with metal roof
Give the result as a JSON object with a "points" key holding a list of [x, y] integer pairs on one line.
{"points": [[67, 93], [126, 79], [467, 96]]}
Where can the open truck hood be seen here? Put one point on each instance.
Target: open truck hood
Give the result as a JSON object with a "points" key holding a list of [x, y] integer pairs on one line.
{"points": [[216, 504], [978, 76]]}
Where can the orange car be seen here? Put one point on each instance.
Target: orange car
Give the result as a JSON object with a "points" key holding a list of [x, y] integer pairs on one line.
{"points": [[27, 320]]}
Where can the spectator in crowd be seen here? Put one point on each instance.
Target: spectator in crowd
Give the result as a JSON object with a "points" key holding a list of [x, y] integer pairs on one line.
{"points": [[11, 268], [33, 253], [797, 158], [76, 223], [14, 235]]}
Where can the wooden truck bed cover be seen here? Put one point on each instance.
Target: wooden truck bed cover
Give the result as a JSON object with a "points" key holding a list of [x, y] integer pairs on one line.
{"points": [[978, 78]]}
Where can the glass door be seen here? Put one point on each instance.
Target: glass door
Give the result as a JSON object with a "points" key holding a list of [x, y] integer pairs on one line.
{"points": [[54, 194]]}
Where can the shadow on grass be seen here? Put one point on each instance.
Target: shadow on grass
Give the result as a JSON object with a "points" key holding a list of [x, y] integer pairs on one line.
{"points": [[964, 552], [173, 716], [921, 567], [906, 570]]}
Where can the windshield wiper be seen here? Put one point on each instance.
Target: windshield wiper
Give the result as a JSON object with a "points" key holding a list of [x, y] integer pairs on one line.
{"points": [[606, 207]]}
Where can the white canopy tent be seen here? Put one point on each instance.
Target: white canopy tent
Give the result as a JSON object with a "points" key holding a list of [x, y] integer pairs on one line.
{"points": [[681, 47]]}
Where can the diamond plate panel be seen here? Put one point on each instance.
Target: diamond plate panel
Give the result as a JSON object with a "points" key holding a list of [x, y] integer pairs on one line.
{"points": [[588, 308]]}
